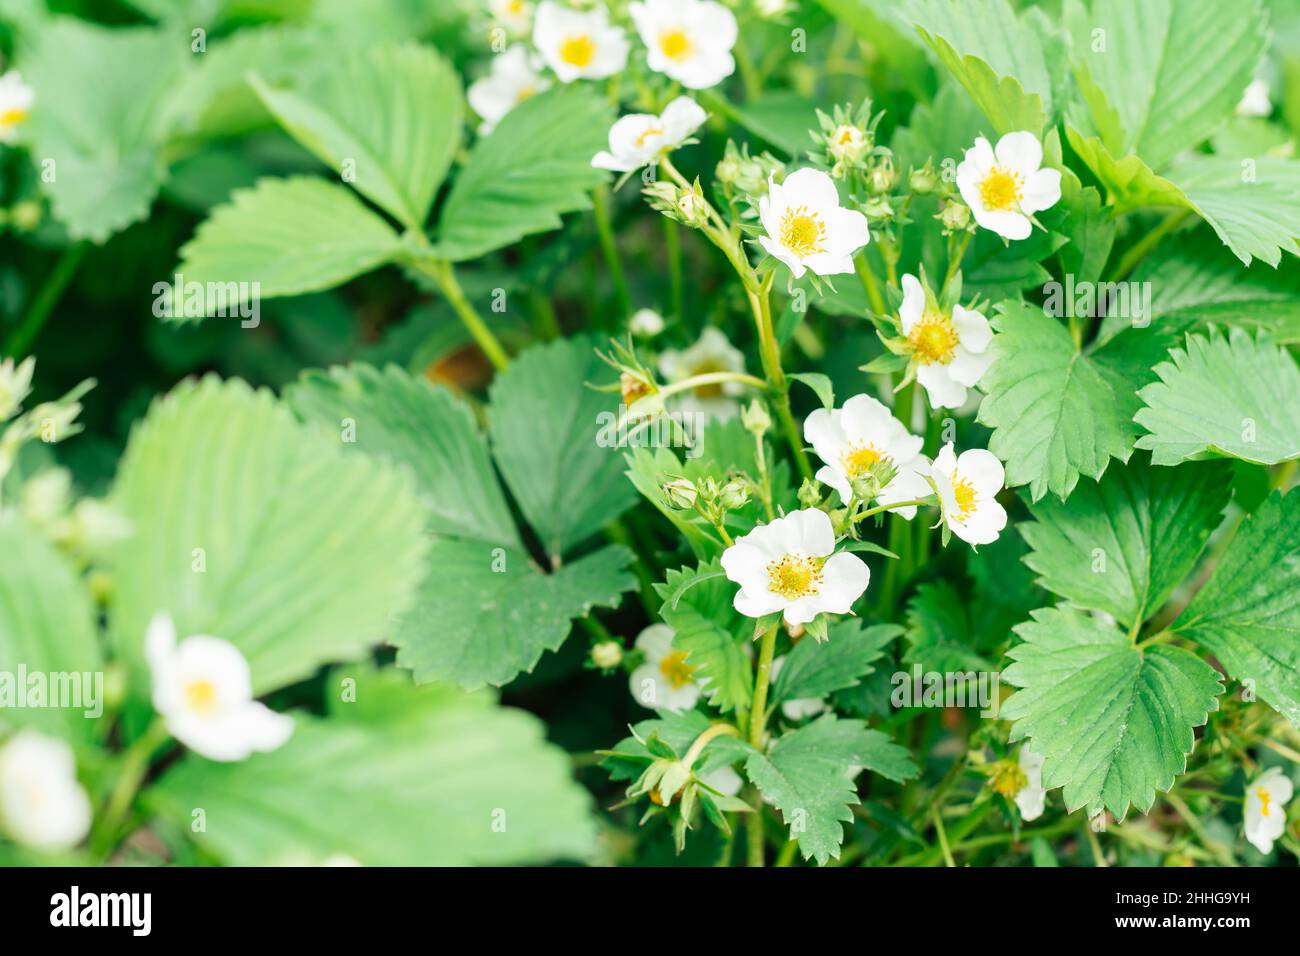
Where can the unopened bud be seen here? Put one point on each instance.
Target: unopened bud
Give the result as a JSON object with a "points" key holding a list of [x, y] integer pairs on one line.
{"points": [[681, 493], [955, 216], [607, 655], [734, 495], [755, 418]]}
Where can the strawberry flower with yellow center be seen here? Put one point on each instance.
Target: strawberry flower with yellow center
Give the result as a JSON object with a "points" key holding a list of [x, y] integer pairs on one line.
{"points": [[41, 803], [15, 104], [949, 348], [790, 565], [861, 434], [689, 41], [513, 78], [968, 487], [577, 44], [712, 352], [1005, 186], [639, 139], [1264, 813], [806, 226], [515, 15], [664, 681]]}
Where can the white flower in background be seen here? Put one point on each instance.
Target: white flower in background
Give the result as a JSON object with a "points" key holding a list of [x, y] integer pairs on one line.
{"points": [[577, 44], [1032, 797], [859, 435], [1255, 101], [15, 385], [689, 41], [787, 565], [204, 690], [1264, 814], [724, 780], [665, 681], [639, 139], [41, 803], [15, 103], [1005, 186], [950, 349], [806, 226], [801, 707], [967, 489], [645, 323], [513, 78], [711, 353], [515, 15]]}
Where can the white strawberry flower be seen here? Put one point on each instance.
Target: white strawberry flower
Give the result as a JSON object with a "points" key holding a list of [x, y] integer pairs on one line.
{"points": [[806, 226], [950, 349], [42, 805], [689, 41], [1005, 185], [860, 434], [578, 44], [16, 99], [515, 15], [1264, 814], [639, 139], [203, 688], [712, 352], [664, 681], [513, 78], [1032, 797], [800, 707], [968, 486], [789, 565]]}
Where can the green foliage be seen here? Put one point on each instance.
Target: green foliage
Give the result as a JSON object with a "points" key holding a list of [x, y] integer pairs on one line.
{"points": [[697, 605], [849, 654]]}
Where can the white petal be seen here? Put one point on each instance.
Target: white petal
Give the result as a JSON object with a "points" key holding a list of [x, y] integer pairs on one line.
{"points": [[264, 729], [913, 306], [1006, 223], [811, 187], [753, 604], [984, 525], [680, 698], [1020, 152], [980, 158], [682, 117], [815, 534], [1042, 191], [939, 386], [983, 470], [972, 328], [834, 478], [945, 462], [159, 640], [968, 368], [829, 263], [780, 252], [656, 642], [846, 231], [845, 577], [746, 565], [648, 686], [607, 160]]}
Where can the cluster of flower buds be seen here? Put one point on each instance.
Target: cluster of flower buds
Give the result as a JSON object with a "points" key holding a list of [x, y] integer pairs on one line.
{"points": [[687, 206], [708, 496], [49, 421], [745, 177], [847, 144]]}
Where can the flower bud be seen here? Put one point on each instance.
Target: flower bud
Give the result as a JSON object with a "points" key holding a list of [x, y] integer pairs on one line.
{"points": [[923, 180], [646, 323], [883, 176], [681, 493], [847, 143], [607, 655], [734, 495], [633, 387], [755, 418], [810, 493], [955, 216], [26, 215], [727, 170]]}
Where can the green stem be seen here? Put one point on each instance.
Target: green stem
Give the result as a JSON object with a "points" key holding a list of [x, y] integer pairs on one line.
{"points": [[703, 739], [21, 338], [869, 284], [897, 504], [673, 251], [544, 320], [757, 724], [134, 766], [1140, 249], [609, 248], [943, 837], [444, 275], [955, 254]]}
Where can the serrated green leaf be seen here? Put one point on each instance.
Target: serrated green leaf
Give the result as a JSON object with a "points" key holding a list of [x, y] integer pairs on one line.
{"points": [[453, 781], [1123, 544], [47, 626], [1248, 615], [1055, 412], [547, 427], [1236, 397], [698, 607], [289, 236], [533, 167], [815, 670], [370, 115], [940, 634], [1253, 205], [1114, 723], [808, 775], [252, 529]]}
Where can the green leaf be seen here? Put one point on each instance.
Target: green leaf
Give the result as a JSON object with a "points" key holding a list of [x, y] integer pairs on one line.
{"points": [[101, 113], [671, 733], [698, 606], [1236, 397], [47, 626], [1113, 722], [1171, 70], [647, 469], [485, 613], [1055, 412], [1248, 615], [249, 528], [815, 670], [393, 415], [940, 634], [781, 117], [819, 383], [940, 129], [370, 114], [286, 237], [533, 167], [455, 781], [994, 54], [1253, 205], [808, 775], [1090, 228], [1123, 544], [550, 434]]}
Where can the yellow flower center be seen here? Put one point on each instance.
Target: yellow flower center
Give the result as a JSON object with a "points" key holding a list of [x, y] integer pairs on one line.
{"points": [[1001, 190], [675, 669], [578, 50], [802, 231], [13, 116], [1008, 778], [964, 492], [525, 92], [795, 576], [675, 44], [515, 6], [201, 696], [859, 459], [933, 339], [1264, 799], [848, 135], [647, 133]]}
